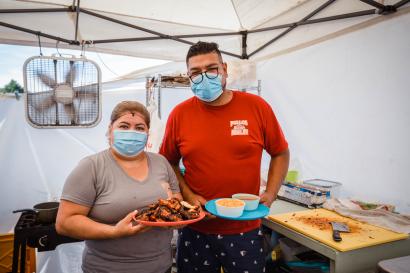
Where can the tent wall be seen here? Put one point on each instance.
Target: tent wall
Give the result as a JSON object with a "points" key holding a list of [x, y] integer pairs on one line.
{"points": [[344, 107]]}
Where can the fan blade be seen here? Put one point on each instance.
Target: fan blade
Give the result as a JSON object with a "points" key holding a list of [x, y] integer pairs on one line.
{"points": [[46, 80], [41, 100], [72, 73], [70, 112]]}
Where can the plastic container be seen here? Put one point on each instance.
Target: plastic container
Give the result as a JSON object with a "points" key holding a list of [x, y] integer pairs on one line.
{"points": [[235, 209], [294, 173], [332, 187], [306, 195], [251, 200]]}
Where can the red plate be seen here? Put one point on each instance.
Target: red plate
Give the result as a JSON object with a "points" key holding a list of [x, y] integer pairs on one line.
{"points": [[170, 224]]}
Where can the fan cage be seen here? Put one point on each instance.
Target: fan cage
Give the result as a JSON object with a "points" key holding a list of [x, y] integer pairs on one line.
{"points": [[86, 84]]}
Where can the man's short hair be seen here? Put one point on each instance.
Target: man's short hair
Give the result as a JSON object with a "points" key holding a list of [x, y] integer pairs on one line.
{"points": [[201, 48]]}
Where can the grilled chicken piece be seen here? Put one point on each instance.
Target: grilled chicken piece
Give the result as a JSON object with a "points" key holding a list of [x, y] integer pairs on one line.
{"points": [[175, 205], [172, 204], [164, 212], [188, 206], [169, 210], [175, 217]]}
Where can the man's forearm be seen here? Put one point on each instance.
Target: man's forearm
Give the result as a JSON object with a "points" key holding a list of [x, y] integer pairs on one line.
{"points": [[278, 168], [185, 190]]}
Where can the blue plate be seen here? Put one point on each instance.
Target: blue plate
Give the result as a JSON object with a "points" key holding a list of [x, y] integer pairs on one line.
{"points": [[260, 212]]}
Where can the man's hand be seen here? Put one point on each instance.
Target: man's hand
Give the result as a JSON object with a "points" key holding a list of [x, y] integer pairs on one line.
{"points": [[267, 199], [198, 200], [195, 199]]}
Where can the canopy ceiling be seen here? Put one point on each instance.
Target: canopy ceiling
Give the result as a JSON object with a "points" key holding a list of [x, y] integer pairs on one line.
{"points": [[164, 29]]}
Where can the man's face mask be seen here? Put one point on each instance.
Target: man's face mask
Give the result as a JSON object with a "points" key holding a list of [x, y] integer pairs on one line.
{"points": [[129, 143], [209, 88]]}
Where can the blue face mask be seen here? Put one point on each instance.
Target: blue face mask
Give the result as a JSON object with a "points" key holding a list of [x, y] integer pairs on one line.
{"points": [[209, 89], [129, 143]]}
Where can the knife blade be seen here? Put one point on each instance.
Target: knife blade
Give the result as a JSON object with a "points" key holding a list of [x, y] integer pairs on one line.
{"points": [[337, 228]]}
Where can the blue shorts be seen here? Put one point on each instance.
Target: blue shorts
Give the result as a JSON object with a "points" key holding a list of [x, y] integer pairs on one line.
{"points": [[208, 253]]}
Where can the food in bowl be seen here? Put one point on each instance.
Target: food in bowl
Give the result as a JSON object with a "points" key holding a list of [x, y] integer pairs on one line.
{"points": [[230, 207], [251, 200]]}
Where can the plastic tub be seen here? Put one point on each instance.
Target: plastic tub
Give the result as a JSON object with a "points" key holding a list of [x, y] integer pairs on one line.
{"points": [[251, 200], [229, 207], [332, 187]]}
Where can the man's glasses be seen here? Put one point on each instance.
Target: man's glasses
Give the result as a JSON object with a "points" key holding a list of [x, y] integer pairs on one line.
{"points": [[198, 77]]}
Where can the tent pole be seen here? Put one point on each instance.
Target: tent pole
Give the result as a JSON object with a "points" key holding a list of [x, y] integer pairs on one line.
{"points": [[307, 17], [401, 3], [34, 10], [338, 17], [159, 83], [383, 9], [244, 45], [37, 33], [374, 4], [136, 39], [77, 10], [163, 36], [133, 26]]}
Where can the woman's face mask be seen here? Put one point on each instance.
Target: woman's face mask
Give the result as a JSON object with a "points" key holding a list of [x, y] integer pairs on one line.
{"points": [[129, 143], [208, 90]]}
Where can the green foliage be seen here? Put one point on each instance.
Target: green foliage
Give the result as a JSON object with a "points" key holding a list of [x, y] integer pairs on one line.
{"points": [[11, 87]]}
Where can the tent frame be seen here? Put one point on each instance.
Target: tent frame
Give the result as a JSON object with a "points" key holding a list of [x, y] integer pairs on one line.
{"points": [[379, 9]]}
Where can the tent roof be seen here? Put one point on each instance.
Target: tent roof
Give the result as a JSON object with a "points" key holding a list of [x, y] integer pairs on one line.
{"points": [[146, 28]]}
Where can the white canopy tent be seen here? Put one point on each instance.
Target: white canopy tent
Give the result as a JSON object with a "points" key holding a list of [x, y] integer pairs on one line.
{"points": [[339, 88], [242, 28]]}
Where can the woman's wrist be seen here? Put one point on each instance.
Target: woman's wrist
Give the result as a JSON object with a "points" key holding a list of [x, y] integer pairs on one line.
{"points": [[113, 232]]}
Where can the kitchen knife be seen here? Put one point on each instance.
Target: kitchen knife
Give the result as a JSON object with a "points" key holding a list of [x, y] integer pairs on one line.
{"points": [[337, 228]]}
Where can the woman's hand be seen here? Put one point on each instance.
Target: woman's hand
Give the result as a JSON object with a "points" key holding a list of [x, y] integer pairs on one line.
{"points": [[127, 226]]}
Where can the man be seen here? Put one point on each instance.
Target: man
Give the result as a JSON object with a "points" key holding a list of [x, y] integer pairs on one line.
{"points": [[220, 135]]}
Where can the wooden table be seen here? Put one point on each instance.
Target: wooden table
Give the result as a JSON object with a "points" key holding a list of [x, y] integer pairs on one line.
{"points": [[354, 261]]}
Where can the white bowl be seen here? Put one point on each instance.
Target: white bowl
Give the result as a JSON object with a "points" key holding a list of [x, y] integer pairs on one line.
{"points": [[232, 210], [251, 200]]}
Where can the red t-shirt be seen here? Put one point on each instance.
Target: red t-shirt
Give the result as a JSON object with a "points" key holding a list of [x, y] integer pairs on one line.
{"points": [[221, 149]]}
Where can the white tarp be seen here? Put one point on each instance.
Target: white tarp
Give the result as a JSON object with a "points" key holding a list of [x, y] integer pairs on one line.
{"points": [[182, 17], [344, 107]]}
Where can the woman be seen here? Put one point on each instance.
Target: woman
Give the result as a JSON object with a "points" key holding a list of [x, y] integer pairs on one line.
{"points": [[101, 196]]}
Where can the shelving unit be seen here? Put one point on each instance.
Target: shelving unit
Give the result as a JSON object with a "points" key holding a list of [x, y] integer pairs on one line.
{"points": [[154, 86]]}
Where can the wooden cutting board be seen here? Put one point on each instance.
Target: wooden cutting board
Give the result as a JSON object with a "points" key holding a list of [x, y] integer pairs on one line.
{"points": [[315, 224]]}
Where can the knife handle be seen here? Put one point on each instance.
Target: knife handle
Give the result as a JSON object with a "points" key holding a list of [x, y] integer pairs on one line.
{"points": [[336, 236]]}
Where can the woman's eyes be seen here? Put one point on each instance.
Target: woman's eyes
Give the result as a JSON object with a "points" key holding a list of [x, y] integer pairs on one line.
{"points": [[126, 127]]}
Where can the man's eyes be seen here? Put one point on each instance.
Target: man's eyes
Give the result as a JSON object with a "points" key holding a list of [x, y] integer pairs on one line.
{"points": [[209, 70], [212, 70], [194, 74]]}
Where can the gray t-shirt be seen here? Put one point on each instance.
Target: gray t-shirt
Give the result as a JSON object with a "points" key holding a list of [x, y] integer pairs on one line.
{"points": [[100, 183]]}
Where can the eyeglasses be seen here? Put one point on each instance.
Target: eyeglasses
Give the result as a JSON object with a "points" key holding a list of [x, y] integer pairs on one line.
{"points": [[198, 77]]}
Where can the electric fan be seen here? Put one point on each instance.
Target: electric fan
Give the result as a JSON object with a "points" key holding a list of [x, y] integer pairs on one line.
{"points": [[62, 91]]}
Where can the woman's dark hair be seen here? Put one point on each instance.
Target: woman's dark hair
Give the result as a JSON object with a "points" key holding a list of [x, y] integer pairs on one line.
{"points": [[203, 48]]}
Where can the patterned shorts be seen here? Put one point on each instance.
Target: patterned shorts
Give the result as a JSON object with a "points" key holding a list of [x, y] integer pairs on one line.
{"points": [[208, 253]]}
